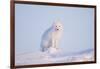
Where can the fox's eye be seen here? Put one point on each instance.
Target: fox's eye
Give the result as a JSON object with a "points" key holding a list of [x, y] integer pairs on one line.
{"points": [[56, 26], [59, 26]]}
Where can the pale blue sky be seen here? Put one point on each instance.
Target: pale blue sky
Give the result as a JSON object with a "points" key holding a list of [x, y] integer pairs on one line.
{"points": [[31, 21]]}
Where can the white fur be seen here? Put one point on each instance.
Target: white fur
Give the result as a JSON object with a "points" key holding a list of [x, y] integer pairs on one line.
{"points": [[51, 38]]}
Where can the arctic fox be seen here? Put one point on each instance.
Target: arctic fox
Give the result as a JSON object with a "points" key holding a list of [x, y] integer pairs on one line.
{"points": [[51, 37]]}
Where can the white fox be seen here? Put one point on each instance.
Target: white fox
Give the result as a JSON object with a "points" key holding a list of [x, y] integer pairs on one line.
{"points": [[51, 37]]}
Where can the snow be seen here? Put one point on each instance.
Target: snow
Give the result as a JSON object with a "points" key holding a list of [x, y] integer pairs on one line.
{"points": [[54, 56]]}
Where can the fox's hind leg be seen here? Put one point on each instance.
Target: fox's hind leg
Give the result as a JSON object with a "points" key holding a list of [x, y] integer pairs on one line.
{"points": [[45, 46]]}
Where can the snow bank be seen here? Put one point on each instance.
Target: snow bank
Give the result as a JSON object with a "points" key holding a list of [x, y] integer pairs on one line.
{"points": [[53, 57]]}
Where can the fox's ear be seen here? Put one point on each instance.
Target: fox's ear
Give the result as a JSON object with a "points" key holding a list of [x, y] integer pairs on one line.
{"points": [[57, 22]]}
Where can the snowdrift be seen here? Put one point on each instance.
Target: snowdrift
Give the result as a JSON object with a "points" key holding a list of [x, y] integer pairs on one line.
{"points": [[46, 57]]}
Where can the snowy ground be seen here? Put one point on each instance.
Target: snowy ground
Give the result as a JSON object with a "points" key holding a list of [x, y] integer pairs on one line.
{"points": [[45, 57]]}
